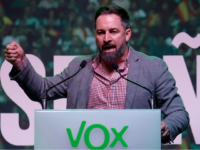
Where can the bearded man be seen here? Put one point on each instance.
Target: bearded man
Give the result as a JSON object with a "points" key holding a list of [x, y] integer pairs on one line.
{"points": [[98, 85]]}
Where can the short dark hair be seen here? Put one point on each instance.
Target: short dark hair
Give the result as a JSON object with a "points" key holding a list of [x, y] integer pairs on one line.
{"points": [[114, 9]]}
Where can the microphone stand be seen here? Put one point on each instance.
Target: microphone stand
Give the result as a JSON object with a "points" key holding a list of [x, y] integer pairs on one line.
{"points": [[151, 101], [44, 99], [44, 103]]}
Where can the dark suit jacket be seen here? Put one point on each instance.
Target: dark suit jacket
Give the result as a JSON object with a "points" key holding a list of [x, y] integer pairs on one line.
{"points": [[148, 71]]}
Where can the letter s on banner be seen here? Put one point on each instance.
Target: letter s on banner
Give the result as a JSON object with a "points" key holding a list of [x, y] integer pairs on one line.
{"points": [[10, 121]]}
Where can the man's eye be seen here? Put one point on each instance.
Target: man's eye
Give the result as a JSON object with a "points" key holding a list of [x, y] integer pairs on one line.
{"points": [[99, 33], [114, 32]]}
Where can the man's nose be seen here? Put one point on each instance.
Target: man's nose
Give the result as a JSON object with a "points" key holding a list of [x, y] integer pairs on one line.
{"points": [[107, 37]]}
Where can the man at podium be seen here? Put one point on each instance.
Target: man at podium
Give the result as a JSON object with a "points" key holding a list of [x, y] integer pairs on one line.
{"points": [[100, 86]]}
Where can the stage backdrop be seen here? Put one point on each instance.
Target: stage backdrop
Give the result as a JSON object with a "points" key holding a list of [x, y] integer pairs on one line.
{"points": [[53, 32]]}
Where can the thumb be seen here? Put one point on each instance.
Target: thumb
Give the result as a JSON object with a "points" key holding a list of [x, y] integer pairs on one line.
{"points": [[17, 45], [162, 125], [13, 43]]}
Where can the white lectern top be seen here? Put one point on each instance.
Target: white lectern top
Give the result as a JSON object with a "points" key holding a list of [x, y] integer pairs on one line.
{"points": [[98, 129]]}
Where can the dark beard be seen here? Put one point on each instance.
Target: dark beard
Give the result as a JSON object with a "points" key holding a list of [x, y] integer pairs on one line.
{"points": [[114, 55]]}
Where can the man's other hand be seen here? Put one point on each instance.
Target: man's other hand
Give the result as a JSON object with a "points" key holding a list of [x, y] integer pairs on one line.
{"points": [[14, 53], [164, 133]]}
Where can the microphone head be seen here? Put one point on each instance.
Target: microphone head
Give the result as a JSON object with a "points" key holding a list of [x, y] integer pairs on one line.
{"points": [[115, 66], [83, 63]]}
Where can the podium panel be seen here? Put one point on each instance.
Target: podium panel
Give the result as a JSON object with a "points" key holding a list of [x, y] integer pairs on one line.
{"points": [[97, 129]]}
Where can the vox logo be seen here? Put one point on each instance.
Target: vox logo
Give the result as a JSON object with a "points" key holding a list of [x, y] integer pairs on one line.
{"points": [[118, 136]]}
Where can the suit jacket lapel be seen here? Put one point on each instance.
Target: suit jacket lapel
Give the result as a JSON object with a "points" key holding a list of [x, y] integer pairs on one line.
{"points": [[84, 89], [87, 76], [133, 74]]}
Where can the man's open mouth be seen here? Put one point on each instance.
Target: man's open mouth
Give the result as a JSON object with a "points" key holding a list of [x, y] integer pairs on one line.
{"points": [[106, 48]]}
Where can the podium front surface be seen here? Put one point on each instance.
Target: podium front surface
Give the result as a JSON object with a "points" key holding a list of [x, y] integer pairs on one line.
{"points": [[84, 129]]}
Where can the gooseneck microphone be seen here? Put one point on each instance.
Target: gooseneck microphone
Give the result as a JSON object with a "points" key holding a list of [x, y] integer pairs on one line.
{"points": [[151, 101], [44, 101]]}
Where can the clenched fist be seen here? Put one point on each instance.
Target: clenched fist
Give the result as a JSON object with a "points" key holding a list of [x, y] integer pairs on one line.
{"points": [[14, 53]]}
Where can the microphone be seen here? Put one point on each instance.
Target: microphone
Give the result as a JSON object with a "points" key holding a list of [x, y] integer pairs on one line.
{"points": [[83, 63], [151, 101], [44, 101]]}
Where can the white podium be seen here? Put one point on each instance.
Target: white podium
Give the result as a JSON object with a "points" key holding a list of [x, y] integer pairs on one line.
{"points": [[97, 129]]}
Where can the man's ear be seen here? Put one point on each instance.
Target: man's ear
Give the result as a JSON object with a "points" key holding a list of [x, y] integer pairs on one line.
{"points": [[128, 34]]}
